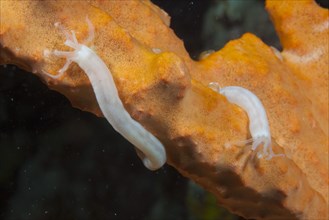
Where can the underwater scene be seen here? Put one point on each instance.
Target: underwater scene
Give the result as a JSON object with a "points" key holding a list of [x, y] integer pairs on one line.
{"points": [[186, 150]]}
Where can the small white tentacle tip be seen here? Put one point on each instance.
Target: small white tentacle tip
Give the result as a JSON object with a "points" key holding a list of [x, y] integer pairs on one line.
{"points": [[275, 155], [57, 24], [156, 50], [214, 86], [259, 155], [71, 41], [227, 145], [65, 67], [91, 31], [51, 75], [66, 54]]}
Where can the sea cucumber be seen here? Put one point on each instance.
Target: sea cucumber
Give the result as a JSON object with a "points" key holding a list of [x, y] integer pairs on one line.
{"points": [[258, 122], [149, 148]]}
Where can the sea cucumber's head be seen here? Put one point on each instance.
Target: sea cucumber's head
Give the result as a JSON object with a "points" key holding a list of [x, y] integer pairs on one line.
{"points": [[82, 54]]}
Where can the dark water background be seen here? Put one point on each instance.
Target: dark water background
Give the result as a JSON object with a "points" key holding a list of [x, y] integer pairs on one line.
{"points": [[57, 162]]}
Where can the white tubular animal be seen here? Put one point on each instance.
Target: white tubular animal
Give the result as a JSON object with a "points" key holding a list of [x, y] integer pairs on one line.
{"points": [[153, 152], [258, 122]]}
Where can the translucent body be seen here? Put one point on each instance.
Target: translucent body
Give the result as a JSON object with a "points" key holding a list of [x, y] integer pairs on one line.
{"points": [[149, 147], [258, 122]]}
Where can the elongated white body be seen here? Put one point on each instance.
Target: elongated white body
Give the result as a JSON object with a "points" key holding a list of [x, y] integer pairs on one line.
{"points": [[258, 122], [153, 152]]}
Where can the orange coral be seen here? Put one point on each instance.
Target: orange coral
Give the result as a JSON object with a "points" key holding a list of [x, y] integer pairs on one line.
{"points": [[293, 86], [309, 61]]}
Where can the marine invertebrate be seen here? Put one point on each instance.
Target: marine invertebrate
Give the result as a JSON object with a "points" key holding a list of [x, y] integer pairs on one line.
{"points": [[258, 122], [296, 187], [149, 148]]}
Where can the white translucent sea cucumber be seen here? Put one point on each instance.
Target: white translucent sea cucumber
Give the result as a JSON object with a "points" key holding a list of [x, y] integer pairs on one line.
{"points": [[258, 122], [149, 148]]}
